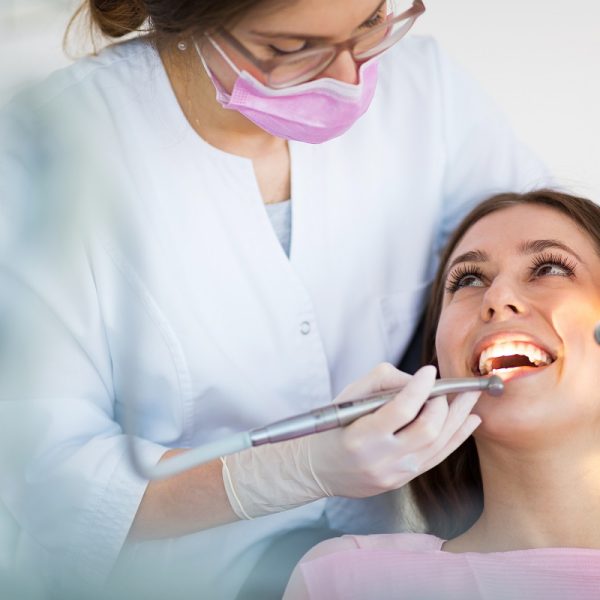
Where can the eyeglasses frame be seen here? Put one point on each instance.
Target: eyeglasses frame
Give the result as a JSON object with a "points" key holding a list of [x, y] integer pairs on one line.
{"points": [[266, 66]]}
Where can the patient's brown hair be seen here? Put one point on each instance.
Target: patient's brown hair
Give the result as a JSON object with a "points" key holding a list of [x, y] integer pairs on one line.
{"points": [[450, 496]]}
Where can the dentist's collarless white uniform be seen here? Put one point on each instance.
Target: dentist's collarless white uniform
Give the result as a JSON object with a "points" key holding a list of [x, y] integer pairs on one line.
{"points": [[192, 310]]}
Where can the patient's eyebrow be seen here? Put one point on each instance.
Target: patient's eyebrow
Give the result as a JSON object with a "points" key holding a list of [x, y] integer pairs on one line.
{"points": [[534, 246], [527, 247], [476, 256]]}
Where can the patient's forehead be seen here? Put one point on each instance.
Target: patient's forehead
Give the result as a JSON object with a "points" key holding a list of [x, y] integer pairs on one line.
{"points": [[505, 230]]}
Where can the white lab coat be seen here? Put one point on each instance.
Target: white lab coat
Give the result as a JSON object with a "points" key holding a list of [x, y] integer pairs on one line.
{"points": [[140, 266]]}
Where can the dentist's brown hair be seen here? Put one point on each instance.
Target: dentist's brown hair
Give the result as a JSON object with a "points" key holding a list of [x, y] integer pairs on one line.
{"points": [[161, 20], [450, 496]]}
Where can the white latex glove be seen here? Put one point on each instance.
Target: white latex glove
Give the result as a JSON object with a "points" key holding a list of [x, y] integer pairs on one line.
{"points": [[379, 452]]}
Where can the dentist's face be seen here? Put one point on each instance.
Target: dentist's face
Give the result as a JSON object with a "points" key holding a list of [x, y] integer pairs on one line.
{"points": [[522, 298], [276, 28]]}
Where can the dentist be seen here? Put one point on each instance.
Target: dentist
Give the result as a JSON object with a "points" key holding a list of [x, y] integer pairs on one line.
{"points": [[231, 219]]}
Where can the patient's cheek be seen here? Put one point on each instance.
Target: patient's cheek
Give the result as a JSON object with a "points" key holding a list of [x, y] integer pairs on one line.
{"points": [[446, 369], [444, 349], [454, 332]]}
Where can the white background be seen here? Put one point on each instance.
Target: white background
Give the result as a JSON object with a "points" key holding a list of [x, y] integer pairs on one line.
{"points": [[540, 61]]}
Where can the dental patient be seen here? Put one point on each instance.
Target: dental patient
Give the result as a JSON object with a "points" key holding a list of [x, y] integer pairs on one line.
{"points": [[514, 513]]}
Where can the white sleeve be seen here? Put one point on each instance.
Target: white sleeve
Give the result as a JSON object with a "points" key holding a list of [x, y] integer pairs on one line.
{"points": [[483, 155], [64, 471]]}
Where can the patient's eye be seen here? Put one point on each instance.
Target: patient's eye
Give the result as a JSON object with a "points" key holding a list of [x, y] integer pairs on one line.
{"points": [[553, 265], [464, 276]]}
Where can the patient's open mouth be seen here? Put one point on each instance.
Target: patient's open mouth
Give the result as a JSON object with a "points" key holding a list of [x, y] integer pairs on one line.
{"points": [[503, 357]]}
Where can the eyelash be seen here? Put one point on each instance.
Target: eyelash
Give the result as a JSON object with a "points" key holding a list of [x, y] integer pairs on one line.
{"points": [[377, 18], [564, 263], [542, 260], [459, 274], [278, 52]]}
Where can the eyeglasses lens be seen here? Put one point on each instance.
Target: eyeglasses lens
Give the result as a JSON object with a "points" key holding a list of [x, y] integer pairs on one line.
{"points": [[368, 45], [302, 68], [383, 37], [380, 40]]}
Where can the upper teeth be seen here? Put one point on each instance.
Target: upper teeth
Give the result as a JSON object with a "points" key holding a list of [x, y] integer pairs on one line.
{"points": [[536, 355]]}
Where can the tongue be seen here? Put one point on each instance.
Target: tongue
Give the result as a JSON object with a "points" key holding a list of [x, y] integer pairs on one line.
{"points": [[510, 362]]}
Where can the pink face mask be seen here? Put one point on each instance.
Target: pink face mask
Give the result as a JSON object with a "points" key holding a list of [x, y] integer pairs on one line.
{"points": [[313, 112]]}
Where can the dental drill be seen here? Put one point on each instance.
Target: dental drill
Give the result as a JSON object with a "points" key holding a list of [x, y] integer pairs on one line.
{"points": [[317, 420], [597, 333], [344, 413]]}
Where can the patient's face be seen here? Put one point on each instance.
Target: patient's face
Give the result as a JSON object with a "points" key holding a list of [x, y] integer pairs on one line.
{"points": [[521, 301]]}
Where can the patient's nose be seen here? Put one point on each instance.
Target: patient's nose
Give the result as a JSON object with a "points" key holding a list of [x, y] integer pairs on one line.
{"points": [[502, 301]]}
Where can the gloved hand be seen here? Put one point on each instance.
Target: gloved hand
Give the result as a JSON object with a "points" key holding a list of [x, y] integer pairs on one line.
{"points": [[379, 452]]}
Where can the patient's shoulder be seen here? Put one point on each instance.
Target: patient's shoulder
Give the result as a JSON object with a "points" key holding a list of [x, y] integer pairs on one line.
{"points": [[409, 542], [319, 569], [414, 542]]}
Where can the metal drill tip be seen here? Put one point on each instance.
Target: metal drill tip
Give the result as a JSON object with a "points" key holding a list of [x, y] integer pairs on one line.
{"points": [[597, 333], [495, 386]]}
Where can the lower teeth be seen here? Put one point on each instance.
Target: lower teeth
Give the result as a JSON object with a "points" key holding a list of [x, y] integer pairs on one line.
{"points": [[504, 370]]}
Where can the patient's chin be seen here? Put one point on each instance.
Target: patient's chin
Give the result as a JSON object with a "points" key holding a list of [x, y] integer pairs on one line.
{"points": [[527, 420]]}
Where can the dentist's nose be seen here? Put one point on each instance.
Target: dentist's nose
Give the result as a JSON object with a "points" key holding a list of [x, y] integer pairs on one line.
{"points": [[501, 301], [343, 68]]}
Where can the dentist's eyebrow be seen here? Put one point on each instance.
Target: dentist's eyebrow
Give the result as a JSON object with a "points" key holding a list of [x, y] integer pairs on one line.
{"points": [[472, 256], [535, 246], [305, 36]]}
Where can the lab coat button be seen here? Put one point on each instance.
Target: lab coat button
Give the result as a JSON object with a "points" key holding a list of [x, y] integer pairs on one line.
{"points": [[305, 328]]}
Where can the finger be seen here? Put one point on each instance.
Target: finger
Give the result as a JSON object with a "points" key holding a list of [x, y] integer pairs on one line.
{"points": [[459, 409], [456, 429], [406, 405], [426, 428], [471, 423], [421, 454], [383, 377]]}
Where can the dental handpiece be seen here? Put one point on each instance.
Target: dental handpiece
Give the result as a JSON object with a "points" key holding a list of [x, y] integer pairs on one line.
{"points": [[344, 413], [319, 419]]}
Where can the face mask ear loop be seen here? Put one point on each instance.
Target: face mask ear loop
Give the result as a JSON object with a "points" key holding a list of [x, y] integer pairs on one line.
{"points": [[201, 59], [221, 53]]}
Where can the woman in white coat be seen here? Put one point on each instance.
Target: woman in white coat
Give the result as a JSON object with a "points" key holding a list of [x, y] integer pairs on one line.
{"points": [[222, 223]]}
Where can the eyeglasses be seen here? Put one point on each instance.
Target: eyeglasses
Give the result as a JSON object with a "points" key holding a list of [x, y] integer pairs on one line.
{"points": [[303, 65]]}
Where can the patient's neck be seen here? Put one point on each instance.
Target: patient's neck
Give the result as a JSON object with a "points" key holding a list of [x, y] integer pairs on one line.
{"points": [[536, 499]]}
